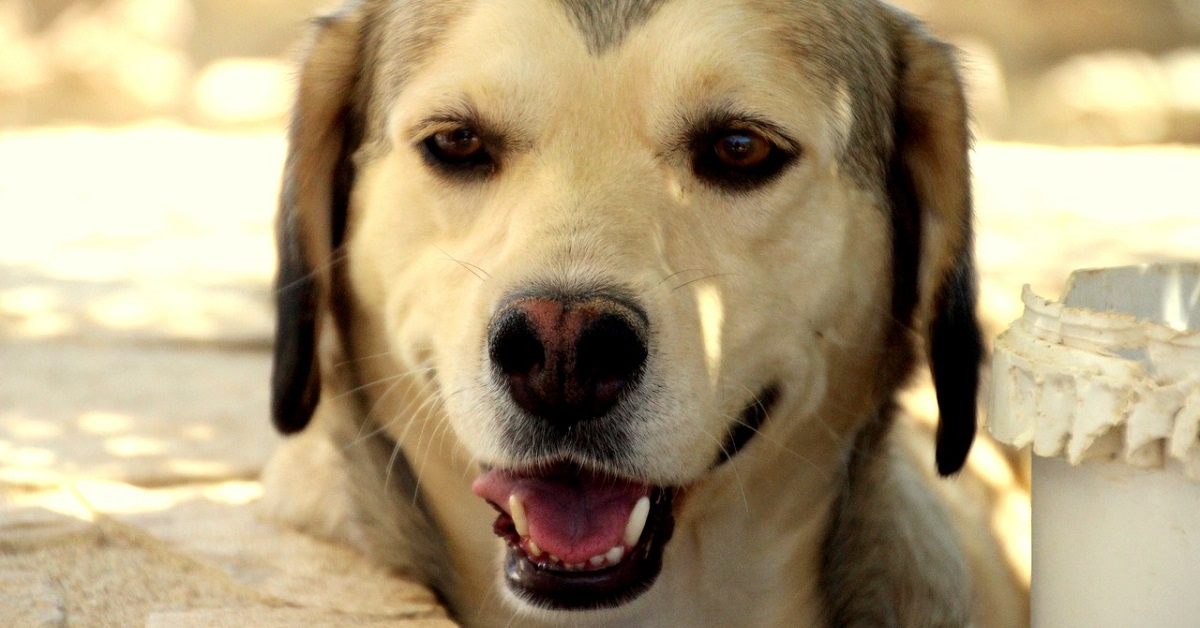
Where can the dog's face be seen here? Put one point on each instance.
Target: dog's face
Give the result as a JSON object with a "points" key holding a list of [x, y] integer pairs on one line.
{"points": [[601, 245], [684, 185]]}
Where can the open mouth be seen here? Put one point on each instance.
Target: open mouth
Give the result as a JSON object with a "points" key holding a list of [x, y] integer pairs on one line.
{"points": [[578, 539], [582, 539]]}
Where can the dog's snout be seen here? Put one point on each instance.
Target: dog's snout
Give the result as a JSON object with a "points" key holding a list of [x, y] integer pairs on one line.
{"points": [[567, 361]]}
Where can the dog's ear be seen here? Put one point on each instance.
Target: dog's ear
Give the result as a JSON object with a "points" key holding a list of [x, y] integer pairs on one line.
{"points": [[932, 164], [312, 206]]}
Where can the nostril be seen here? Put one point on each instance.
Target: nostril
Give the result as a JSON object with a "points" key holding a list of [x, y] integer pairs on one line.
{"points": [[514, 345], [610, 354]]}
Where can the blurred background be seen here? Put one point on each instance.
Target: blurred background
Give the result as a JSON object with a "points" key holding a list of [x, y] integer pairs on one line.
{"points": [[1076, 72], [140, 151]]}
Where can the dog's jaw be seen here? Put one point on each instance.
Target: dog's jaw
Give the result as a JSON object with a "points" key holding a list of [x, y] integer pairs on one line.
{"points": [[596, 540]]}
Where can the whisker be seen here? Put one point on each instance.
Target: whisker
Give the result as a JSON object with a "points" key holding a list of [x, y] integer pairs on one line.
{"points": [[692, 281], [335, 258], [471, 268], [360, 437], [680, 272], [416, 371], [384, 425], [364, 358], [736, 476]]}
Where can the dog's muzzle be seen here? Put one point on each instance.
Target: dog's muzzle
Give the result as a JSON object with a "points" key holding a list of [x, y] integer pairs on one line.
{"points": [[579, 537]]}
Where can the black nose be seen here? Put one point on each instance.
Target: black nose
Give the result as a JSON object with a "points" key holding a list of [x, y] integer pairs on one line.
{"points": [[567, 361]]}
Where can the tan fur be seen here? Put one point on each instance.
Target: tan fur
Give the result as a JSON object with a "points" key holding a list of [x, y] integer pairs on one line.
{"points": [[819, 520]]}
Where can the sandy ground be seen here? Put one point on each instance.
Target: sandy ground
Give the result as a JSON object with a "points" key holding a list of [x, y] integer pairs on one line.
{"points": [[134, 320]]}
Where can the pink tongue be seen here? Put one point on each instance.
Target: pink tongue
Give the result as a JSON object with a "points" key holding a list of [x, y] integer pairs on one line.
{"points": [[573, 516]]}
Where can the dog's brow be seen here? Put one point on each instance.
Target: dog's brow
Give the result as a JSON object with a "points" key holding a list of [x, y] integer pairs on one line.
{"points": [[605, 24]]}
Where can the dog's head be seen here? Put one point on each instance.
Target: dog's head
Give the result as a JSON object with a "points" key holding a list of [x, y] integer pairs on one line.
{"points": [[603, 242]]}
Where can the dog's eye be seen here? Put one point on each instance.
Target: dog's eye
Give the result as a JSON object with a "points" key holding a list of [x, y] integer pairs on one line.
{"points": [[458, 149], [738, 159], [742, 149]]}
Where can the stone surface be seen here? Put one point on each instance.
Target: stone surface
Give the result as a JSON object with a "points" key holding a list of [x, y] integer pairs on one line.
{"points": [[30, 599], [285, 618], [113, 578], [149, 415], [106, 553], [30, 527]]}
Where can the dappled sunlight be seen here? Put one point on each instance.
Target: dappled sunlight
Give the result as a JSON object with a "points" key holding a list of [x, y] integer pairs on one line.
{"points": [[138, 244], [103, 423], [148, 415], [235, 493], [34, 312], [183, 466], [992, 466], [116, 446], [1011, 522], [134, 446], [27, 429], [143, 202], [117, 498], [198, 432], [87, 499], [22, 458], [711, 310]]}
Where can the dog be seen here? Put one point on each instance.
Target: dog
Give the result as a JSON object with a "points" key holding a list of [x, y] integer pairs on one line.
{"points": [[594, 313]]}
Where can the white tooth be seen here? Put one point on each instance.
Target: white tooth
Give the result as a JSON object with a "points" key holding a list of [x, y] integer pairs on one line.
{"points": [[533, 549], [615, 555], [554, 559], [517, 511], [637, 521], [575, 566], [597, 560]]}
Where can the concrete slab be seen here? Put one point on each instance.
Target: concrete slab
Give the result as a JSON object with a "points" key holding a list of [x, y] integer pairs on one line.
{"points": [[151, 415], [106, 553]]}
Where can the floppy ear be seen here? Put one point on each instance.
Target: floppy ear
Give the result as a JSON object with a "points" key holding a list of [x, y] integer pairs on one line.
{"points": [[312, 207], [932, 143]]}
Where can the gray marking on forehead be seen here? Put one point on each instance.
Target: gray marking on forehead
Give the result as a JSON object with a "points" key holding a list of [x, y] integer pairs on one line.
{"points": [[605, 23]]}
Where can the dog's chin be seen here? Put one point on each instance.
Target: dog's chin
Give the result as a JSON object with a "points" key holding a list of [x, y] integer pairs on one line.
{"points": [[582, 539]]}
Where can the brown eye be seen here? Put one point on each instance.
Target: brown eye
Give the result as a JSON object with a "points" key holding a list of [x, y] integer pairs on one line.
{"points": [[736, 158], [460, 150], [742, 149], [456, 144]]}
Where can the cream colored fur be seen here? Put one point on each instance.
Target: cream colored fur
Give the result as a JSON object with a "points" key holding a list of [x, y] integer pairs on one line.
{"points": [[792, 281]]}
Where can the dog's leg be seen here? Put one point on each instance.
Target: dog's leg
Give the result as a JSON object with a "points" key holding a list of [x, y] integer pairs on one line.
{"points": [[305, 485]]}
